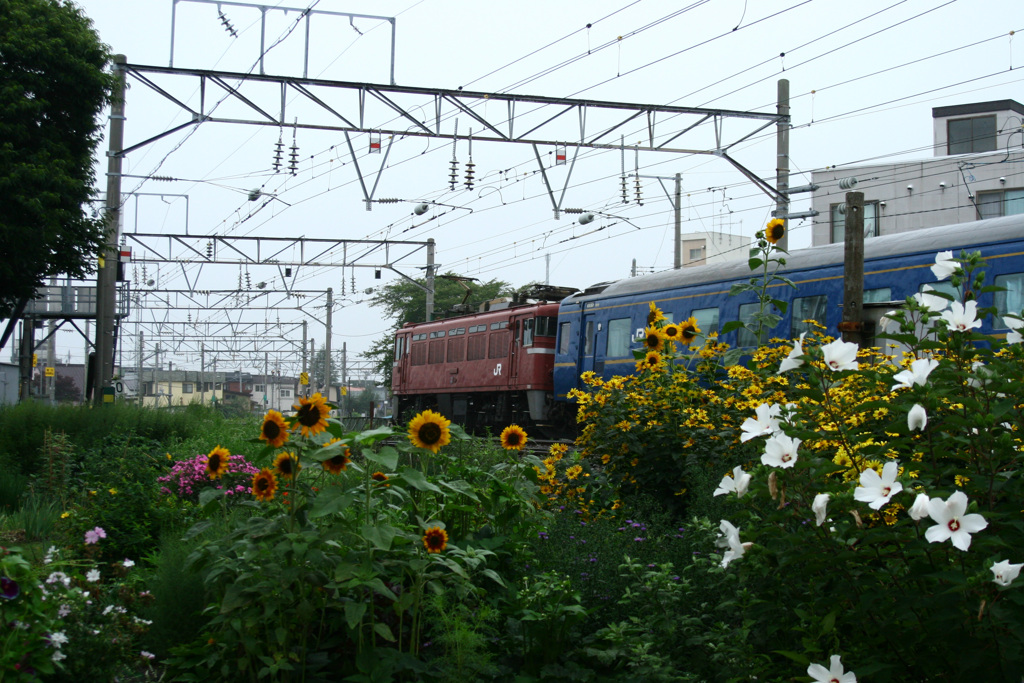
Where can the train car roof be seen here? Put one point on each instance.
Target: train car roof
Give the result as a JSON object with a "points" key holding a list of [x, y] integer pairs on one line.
{"points": [[928, 240]]}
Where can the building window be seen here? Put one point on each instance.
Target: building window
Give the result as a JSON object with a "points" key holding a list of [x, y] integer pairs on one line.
{"points": [[186, 387], [1000, 203], [977, 134], [618, 338], [839, 221], [286, 393], [697, 254], [218, 386], [259, 388]]}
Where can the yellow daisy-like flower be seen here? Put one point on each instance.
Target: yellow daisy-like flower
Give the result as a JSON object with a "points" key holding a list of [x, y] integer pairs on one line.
{"points": [[311, 415], [429, 430], [558, 449], [655, 315], [435, 539], [217, 462], [286, 465], [653, 341], [688, 331], [339, 462], [274, 430], [652, 361], [263, 485], [573, 472], [775, 229], [671, 331], [513, 438]]}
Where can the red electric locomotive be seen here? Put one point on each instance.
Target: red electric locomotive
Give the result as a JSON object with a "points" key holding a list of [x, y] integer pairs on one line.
{"points": [[487, 369]]}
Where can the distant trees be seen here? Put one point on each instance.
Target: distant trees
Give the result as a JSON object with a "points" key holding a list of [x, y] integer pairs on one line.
{"points": [[53, 86]]}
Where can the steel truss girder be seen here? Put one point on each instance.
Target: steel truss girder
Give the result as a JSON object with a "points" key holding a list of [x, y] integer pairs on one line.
{"points": [[460, 101], [228, 299]]}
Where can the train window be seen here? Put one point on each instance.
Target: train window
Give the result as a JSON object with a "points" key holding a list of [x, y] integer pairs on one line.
{"points": [[457, 331], [498, 344], [945, 287], [456, 349], [745, 337], [877, 296], [707, 320], [839, 221], [1012, 300], [499, 326], [477, 348], [398, 348], [528, 325], [436, 352], [563, 339], [588, 339], [547, 326], [619, 338], [436, 334], [807, 308]]}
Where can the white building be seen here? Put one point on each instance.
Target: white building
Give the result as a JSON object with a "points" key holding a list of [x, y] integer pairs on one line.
{"points": [[977, 171], [702, 248]]}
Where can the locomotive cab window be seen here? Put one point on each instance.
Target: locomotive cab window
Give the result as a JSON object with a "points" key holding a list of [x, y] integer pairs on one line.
{"points": [[528, 326], [547, 326], [807, 308], [618, 338], [1010, 301], [588, 339]]}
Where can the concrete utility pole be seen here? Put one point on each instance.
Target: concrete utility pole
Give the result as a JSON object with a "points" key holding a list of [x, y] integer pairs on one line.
{"points": [[106, 277], [342, 400], [430, 279], [852, 325], [782, 159], [202, 374], [327, 345], [679, 221]]}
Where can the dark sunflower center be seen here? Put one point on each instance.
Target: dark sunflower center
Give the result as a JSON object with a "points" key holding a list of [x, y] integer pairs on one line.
{"points": [[262, 484], [652, 340], [435, 540], [671, 331], [285, 466], [339, 460], [271, 430], [513, 439], [308, 416], [430, 433], [689, 333], [775, 232]]}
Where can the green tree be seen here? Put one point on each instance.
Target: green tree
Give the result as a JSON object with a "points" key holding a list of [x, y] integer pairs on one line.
{"points": [[53, 87], [406, 302]]}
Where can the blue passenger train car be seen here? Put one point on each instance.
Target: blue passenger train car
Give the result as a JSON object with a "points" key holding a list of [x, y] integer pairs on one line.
{"points": [[597, 327]]}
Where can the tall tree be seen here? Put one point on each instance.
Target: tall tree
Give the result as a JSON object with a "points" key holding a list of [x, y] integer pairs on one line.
{"points": [[406, 302], [53, 87]]}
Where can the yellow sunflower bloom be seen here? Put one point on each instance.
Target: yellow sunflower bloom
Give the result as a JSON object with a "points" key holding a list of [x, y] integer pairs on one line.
{"points": [[655, 315], [429, 430], [652, 361], [380, 477], [263, 485], [671, 331], [775, 229], [286, 465], [688, 331], [653, 341], [311, 415], [274, 430], [513, 438], [435, 539], [339, 462], [217, 462]]}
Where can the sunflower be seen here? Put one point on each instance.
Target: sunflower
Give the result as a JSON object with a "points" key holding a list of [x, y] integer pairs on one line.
{"points": [[655, 315], [688, 331], [311, 415], [339, 462], [653, 341], [513, 438], [652, 361], [286, 465], [435, 539], [264, 484], [216, 462], [380, 476], [775, 229], [429, 430], [274, 430], [671, 331]]}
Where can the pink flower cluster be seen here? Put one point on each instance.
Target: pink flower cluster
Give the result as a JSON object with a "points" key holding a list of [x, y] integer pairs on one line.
{"points": [[93, 536], [188, 477]]}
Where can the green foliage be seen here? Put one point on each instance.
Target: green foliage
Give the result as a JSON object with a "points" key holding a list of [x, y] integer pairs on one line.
{"points": [[52, 89], [464, 632], [405, 302]]}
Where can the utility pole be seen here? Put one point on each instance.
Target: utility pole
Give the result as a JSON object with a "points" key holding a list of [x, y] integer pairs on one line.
{"points": [[202, 374], [305, 366], [343, 399], [139, 394], [170, 387], [678, 206], [782, 160], [430, 279], [106, 277], [852, 325], [327, 344], [312, 356]]}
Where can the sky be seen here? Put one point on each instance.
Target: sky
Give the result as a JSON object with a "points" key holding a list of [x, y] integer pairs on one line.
{"points": [[863, 79]]}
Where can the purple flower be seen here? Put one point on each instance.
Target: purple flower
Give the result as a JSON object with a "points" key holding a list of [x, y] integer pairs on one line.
{"points": [[94, 535], [9, 588]]}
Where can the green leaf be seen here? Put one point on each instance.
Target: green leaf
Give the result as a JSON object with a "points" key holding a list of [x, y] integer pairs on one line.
{"points": [[208, 498], [795, 656], [755, 263], [732, 325], [384, 632], [380, 536], [416, 480], [330, 501], [387, 458], [354, 612], [374, 435]]}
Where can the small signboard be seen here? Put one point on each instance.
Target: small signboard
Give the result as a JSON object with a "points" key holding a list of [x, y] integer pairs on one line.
{"points": [[304, 379], [50, 372]]}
